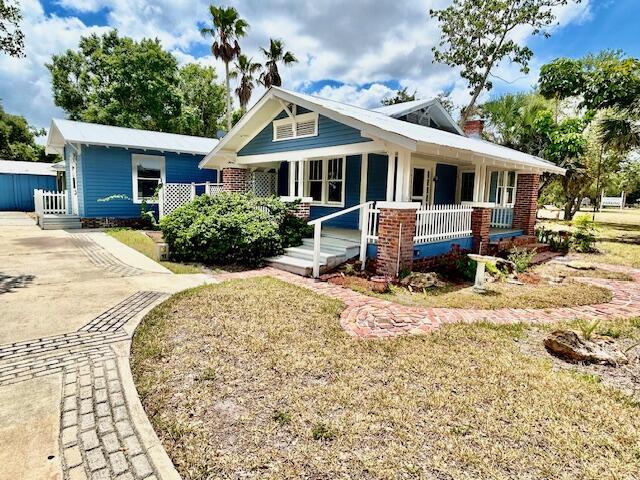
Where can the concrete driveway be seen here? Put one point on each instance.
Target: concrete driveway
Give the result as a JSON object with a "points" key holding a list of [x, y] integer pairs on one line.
{"points": [[68, 301]]}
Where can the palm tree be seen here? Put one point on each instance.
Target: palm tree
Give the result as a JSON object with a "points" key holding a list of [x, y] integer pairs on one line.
{"points": [[227, 29], [619, 128], [245, 68], [275, 54]]}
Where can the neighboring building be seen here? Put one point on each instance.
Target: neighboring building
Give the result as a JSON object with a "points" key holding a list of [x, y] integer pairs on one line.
{"points": [[110, 170], [338, 157], [18, 180]]}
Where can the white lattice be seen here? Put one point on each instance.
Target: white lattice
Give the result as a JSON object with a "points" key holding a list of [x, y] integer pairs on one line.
{"points": [[174, 195], [264, 184], [215, 188]]}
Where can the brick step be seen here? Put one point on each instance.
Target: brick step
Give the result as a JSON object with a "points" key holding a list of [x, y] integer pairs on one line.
{"points": [[544, 257]]}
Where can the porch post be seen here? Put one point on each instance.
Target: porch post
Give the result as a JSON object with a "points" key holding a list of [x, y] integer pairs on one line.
{"points": [[480, 228], [526, 204], [391, 167], [235, 179], [396, 229], [403, 176], [300, 192], [479, 182]]}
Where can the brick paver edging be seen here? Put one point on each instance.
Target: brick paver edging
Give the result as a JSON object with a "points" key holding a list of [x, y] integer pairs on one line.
{"points": [[370, 317]]}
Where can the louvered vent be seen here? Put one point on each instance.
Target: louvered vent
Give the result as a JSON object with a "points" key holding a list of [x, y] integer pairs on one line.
{"points": [[284, 131], [306, 128]]}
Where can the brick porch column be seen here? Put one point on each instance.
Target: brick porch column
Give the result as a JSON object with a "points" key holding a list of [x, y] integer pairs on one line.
{"points": [[396, 229], [235, 180], [480, 226], [526, 204], [302, 209]]}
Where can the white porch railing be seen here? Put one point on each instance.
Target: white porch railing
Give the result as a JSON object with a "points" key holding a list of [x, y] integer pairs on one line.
{"points": [[502, 217], [49, 203], [442, 222], [174, 195]]}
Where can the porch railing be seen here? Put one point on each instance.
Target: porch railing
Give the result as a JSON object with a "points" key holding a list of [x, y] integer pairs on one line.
{"points": [[442, 222], [502, 217], [49, 203], [174, 195]]}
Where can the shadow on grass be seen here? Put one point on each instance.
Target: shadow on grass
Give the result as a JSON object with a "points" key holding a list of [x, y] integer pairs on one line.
{"points": [[8, 283]]}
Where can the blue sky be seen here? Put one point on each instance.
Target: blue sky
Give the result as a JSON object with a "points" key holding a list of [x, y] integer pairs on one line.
{"points": [[359, 55]]}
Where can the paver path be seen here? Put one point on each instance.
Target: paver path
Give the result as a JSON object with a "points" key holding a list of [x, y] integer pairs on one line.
{"points": [[69, 303], [370, 317]]}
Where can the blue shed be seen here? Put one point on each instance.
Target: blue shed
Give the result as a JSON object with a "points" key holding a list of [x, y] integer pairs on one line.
{"points": [[18, 180], [111, 171]]}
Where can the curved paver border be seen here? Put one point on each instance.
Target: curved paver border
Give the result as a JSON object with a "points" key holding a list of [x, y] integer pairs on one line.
{"points": [[370, 317]]}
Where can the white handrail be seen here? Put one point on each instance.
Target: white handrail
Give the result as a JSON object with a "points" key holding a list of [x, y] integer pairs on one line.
{"points": [[317, 233]]}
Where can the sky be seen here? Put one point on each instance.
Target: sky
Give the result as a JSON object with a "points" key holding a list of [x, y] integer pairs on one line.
{"points": [[357, 51]]}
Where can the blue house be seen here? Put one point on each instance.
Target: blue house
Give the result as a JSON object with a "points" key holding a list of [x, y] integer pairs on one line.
{"points": [[18, 180], [348, 163], [111, 171]]}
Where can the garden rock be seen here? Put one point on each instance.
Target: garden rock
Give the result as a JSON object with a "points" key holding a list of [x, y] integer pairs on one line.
{"points": [[570, 347], [422, 280], [580, 266]]}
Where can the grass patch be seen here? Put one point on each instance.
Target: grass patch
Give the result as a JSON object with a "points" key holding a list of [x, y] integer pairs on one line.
{"points": [[294, 397], [142, 243], [498, 295]]}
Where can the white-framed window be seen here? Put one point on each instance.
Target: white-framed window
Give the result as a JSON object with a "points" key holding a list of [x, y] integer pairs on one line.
{"points": [[502, 188], [301, 126], [326, 181], [422, 174], [148, 172]]}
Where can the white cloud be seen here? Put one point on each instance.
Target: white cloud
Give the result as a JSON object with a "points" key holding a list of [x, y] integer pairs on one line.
{"points": [[362, 44]]}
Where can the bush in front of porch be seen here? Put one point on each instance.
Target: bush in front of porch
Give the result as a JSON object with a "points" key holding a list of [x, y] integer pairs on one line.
{"points": [[231, 228]]}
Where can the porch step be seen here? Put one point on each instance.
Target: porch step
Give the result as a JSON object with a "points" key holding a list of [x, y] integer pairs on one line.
{"points": [[59, 222], [299, 260]]}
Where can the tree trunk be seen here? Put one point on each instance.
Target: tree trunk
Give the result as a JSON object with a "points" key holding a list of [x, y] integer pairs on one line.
{"points": [[226, 68]]}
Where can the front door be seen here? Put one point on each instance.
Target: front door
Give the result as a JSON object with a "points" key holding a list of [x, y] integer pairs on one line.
{"points": [[421, 180], [74, 184]]}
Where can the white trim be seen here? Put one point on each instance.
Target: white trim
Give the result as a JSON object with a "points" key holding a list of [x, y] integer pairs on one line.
{"points": [[294, 121], [289, 198], [479, 204], [399, 205], [325, 182], [391, 172], [321, 152], [136, 158], [364, 171]]}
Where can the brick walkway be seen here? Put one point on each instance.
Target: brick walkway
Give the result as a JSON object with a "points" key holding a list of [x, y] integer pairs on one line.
{"points": [[101, 258], [370, 317], [97, 436]]}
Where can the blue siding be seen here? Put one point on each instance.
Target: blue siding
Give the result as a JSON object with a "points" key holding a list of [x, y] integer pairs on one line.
{"points": [[501, 236], [103, 172], [16, 191], [330, 133], [445, 193], [377, 177], [352, 197]]}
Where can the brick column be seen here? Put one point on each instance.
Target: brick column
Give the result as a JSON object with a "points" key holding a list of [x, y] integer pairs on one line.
{"points": [[396, 229], [526, 204], [480, 225], [235, 180], [302, 209]]}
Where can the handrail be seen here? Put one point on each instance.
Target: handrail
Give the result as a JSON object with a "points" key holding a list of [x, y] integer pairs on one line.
{"points": [[337, 214], [317, 233]]}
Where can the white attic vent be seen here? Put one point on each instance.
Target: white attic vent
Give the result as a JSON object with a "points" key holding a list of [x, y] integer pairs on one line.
{"points": [[304, 125]]}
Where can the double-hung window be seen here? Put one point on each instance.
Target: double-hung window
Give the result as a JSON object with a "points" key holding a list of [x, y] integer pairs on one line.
{"points": [[502, 188], [148, 173], [326, 181]]}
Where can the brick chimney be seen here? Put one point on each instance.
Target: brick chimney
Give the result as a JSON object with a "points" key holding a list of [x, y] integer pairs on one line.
{"points": [[473, 128]]}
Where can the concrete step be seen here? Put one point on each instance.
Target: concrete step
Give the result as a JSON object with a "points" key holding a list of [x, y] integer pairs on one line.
{"points": [[307, 253], [331, 243], [60, 222], [299, 266]]}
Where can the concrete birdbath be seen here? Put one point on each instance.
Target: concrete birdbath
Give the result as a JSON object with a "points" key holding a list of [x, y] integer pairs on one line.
{"points": [[482, 261]]}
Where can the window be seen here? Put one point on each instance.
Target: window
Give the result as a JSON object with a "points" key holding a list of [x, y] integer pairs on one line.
{"points": [[148, 173], [421, 185], [502, 189], [301, 126], [467, 180], [326, 181]]}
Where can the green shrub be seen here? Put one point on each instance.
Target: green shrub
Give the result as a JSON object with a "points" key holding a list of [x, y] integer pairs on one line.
{"points": [[584, 234], [466, 268], [292, 228], [521, 258], [225, 228]]}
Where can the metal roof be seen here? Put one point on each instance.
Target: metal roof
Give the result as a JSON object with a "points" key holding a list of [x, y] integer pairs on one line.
{"points": [[399, 109], [69, 131], [26, 168]]}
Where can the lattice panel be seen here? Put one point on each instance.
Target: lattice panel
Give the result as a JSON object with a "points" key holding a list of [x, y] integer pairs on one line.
{"points": [[174, 195], [264, 184]]}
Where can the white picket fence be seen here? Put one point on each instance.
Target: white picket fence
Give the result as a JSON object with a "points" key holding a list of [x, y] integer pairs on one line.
{"points": [[49, 203], [433, 223], [502, 217]]}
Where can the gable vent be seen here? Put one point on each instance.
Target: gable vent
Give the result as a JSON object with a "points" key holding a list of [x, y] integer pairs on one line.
{"points": [[306, 128], [304, 125], [283, 131]]}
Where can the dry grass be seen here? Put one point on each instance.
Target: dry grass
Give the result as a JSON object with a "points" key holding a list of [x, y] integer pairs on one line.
{"points": [[555, 269], [618, 244], [142, 243], [498, 295], [255, 379]]}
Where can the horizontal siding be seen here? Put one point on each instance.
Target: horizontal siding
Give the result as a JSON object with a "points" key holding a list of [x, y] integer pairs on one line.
{"points": [[16, 190], [107, 171], [352, 197], [330, 133]]}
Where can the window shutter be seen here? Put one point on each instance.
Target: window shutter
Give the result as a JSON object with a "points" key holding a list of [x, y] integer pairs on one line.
{"points": [[284, 131]]}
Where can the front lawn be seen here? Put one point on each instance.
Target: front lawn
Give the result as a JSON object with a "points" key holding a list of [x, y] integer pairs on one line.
{"points": [[145, 245], [256, 379]]}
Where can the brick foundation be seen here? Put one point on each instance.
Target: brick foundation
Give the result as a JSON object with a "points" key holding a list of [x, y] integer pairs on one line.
{"points": [[506, 244], [526, 204], [480, 227], [105, 222], [446, 259], [235, 180], [395, 243]]}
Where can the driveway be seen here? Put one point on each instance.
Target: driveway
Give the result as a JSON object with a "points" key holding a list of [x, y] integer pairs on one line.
{"points": [[69, 301]]}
